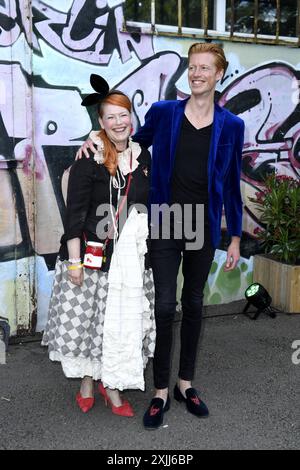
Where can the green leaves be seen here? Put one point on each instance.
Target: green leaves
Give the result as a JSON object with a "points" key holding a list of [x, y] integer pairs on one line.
{"points": [[279, 204]]}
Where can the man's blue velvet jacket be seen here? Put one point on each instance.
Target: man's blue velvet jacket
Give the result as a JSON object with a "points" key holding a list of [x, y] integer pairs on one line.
{"points": [[161, 130]]}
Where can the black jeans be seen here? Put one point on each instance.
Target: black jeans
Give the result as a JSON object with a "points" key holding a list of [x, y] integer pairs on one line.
{"points": [[166, 256]]}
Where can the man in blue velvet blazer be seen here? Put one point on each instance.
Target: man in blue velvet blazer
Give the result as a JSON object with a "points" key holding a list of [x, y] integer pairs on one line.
{"points": [[161, 130], [196, 158]]}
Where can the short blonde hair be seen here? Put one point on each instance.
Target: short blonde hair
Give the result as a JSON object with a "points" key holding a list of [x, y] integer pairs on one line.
{"points": [[215, 49]]}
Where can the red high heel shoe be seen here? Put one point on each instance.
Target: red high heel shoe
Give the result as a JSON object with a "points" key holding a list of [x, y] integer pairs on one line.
{"points": [[123, 410], [85, 404]]}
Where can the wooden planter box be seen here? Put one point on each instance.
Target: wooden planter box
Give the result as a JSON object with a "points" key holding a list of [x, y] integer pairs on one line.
{"points": [[282, 281]]}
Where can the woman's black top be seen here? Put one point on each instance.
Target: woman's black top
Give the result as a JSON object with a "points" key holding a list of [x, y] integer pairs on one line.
{"points": [[88, 188]]}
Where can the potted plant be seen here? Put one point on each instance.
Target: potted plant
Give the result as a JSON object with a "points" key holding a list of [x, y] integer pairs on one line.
{"points": [[278, 270]]}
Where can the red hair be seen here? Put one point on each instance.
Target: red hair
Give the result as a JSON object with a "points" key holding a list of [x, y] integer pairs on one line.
{"points": [[116, 98], [212, 48]]}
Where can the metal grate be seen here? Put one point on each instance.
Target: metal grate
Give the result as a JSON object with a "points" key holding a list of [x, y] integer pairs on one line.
{"points": [[253, 21]]}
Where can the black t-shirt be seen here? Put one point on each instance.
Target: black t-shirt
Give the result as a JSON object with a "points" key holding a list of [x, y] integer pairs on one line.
{"points": [[189, 183]]}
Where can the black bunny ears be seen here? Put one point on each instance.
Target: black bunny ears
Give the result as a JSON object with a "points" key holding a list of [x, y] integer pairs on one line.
{"points": [[100, 86]]}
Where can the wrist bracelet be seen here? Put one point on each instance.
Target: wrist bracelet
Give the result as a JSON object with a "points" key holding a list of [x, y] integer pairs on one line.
{"points": [[74, 260], [78, 266]]}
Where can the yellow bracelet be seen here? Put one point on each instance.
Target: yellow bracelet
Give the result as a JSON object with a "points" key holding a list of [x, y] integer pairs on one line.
{"points": [[78, 266]]}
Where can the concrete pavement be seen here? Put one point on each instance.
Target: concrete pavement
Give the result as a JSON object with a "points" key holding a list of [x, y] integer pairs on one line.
{"points": [[244, 371]]}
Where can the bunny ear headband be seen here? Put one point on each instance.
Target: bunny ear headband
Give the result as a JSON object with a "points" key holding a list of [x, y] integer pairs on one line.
{"points": [[100, 86]]}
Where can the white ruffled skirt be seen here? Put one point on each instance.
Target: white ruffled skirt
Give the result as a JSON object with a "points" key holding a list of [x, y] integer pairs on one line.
{"points": [[106, 328]]}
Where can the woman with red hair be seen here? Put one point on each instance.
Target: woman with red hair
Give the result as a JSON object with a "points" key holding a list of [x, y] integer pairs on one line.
{"points": [[101, 320]]}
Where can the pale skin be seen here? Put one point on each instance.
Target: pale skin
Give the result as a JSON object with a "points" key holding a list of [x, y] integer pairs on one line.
{"points": [[116, 121], [203, 76]]}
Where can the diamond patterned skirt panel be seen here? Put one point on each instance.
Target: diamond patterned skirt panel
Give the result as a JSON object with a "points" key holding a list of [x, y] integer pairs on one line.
{"points": [[74, 331]]}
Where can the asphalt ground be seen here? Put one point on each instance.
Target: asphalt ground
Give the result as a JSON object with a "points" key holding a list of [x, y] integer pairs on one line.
{"points": [[245, 373]]}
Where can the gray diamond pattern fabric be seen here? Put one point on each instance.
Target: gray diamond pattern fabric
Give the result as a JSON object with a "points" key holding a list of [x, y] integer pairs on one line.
{"points": [[77, 314], [149, 339]]}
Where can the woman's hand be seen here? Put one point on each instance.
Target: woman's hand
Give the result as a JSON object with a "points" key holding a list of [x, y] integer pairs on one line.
{"points": [[88, 144], [75, 271], [76, 276], [233, 254]]}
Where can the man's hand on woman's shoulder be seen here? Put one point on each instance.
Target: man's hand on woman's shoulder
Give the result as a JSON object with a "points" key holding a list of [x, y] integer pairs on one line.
{"points": [[83, 151]]}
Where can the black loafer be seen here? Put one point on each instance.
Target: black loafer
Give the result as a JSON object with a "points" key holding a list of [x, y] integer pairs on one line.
{"points": [[154, 416], [193, 402]]}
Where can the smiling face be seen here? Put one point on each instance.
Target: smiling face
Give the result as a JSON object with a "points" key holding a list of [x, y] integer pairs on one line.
{"points": [[203, 73], [116, 121]]}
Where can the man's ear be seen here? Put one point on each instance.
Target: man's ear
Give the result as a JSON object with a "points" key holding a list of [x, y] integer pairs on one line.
{"points": [[220, 74]]}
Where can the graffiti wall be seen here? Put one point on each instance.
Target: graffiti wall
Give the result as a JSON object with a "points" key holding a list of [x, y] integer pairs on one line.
{"points": [[17, 204], [48, 49]]}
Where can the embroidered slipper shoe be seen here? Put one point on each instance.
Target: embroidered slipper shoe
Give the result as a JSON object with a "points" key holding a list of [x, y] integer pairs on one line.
{"points": [[193, 402], [154, 416]]}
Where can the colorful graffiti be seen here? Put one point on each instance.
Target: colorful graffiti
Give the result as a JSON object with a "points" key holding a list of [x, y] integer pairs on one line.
{"points": [[265, 98], [48, 49]]}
